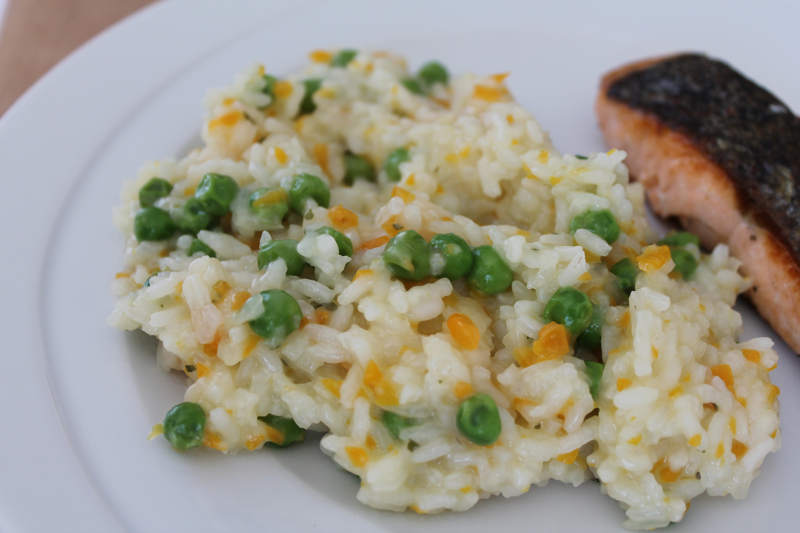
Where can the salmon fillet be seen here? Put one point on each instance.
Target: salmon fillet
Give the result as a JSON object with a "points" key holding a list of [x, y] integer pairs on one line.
{"points": [[723, 155]]}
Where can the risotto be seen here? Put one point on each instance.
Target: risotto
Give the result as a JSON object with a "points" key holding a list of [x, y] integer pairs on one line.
{"points": [[404, 262]]}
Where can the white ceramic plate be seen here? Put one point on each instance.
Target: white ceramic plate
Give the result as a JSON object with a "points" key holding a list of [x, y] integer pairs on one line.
{"points": [[77, 398]]}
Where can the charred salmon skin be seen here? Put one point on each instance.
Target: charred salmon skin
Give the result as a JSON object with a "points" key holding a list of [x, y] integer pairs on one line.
{"points": [[722, 154]]}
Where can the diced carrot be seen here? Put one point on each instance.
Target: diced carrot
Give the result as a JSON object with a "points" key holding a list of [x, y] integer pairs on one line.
{"points": [[372, 374], [254, 442], [320, 152], [280, 155], [357, 455], [202, 370], [552, 343], [391, 227], [239, 299], [362, 272], [221, 289], [510, 118], [753, 356], [270, 198], [464, 331], [333, 385], [738, 448], [342, 218], [370, 443], [374, 243], [228, 119], [635, 440], [724, 373], [320, 56], [653, 257], [773, 393], [283, 89], [275, 435], [720, 450], [213, 440], [489, 93], [695, 440], [407, 196], [321, 315], [654, 351], [462, 389], [210, 349], [500, 78], [623, 383], [664, 473], [121, 275], [385, 395], [569, 457], [250, 345]]}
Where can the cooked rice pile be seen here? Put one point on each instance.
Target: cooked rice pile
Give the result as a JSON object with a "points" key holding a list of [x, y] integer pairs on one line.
{"points": [[683, 407]]}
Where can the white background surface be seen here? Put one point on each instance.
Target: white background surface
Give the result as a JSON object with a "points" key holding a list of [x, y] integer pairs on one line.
{"points": [[77, 398]]}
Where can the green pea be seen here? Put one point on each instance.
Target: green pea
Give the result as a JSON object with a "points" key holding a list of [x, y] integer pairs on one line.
{"points": [[153, 224], [478, 419], [601, 222], [626, 272], [153, 190], [269, 86], [407, 256], [285, 249], [342, 240], [201, 247], [591, 336], [680, 238], [594, 371], [305, 186], [281, 316], [216, 192], [343, 57], [192, 217], [455, 252], [357, 167], [413, 85], [432, 73], [269, 206], [184, 425], [396, 423], [489, 274], [310, 86], [570, 307], [393, 161], [287, 427], [685, 263]]}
